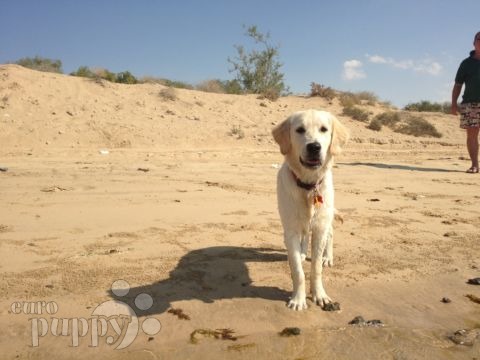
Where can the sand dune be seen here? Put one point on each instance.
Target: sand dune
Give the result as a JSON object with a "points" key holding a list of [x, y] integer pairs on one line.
{"points": [[176, 197]]}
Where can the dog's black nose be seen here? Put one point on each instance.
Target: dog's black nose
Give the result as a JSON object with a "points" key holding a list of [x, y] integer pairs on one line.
{"points": [[314, 148]]}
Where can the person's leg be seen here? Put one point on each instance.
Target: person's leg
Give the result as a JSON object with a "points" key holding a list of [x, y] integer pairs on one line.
{"points": [[472, 146]]}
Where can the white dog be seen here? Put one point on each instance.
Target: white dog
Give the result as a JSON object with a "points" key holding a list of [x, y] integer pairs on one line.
{"points": [[309, 140]]}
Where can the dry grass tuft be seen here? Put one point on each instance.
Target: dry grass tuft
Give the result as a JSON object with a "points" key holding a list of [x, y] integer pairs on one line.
{"points": [[168, 94], [404, 123]]}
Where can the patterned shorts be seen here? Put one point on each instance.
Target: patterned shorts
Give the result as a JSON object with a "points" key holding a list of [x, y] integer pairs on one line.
{"points": [[470, 115]]}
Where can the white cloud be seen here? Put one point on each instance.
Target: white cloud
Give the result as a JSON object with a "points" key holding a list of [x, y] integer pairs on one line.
{"points": [[353, 70], [427, 66], [377, 59]]}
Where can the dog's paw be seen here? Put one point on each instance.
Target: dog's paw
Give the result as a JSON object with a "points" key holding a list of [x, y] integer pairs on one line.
{"points": [[321, 300], [303, 257], [297, 303], [327, 261]]}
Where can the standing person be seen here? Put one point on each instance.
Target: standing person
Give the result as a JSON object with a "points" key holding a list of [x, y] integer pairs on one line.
{"points": [[469, 74]]}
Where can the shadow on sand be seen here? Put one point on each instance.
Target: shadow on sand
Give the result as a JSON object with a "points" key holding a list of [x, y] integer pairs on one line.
{"points": [[400, 167], [210, 274]]}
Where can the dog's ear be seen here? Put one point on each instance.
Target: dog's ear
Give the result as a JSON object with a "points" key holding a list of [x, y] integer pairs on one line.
{"points": [[281, 134], [340, 136]]}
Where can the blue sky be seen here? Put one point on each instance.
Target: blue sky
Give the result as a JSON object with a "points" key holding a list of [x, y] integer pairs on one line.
{"points": [[402, 50]]}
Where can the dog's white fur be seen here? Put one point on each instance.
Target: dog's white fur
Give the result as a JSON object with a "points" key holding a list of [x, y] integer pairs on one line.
{"points": [[298, 214]]}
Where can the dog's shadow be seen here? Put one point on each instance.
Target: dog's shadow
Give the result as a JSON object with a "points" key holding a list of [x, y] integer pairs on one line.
{"points": [[208, 274]]}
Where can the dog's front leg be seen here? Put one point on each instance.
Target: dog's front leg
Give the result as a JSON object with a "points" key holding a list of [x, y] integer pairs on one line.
{"points": [[320, 239], [304, 245], [298, 300], [327, 257]]}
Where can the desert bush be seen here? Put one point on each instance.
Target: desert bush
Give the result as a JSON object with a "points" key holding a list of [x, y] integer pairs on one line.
{"points": [[104, 74], [389, 118], [84, 71], [418, 126], [236, 131], [177, 84], [220, 86], [404, 123], [168, 93], [375, 125], [356, 113], [258, 71], [41, 64], [165, 82], [322, 91], [386, 103], [367, 97], [349, 99], [232, 87], [150, 80], [211, 86], [271, 94], [125, 77], [425, 105]]}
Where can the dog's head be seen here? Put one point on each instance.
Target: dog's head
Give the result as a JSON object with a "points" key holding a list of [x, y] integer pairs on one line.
{"points": [[310, 138]]}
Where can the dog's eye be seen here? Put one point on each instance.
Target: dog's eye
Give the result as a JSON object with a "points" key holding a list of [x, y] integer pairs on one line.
{"points": [[323, 129], [301, 130]]}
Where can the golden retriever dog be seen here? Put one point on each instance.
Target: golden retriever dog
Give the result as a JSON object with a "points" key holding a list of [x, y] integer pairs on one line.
{"points": [[308, 140]]}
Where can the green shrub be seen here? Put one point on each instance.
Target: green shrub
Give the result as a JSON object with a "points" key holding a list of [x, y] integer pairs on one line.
{"points": [[84, 71], [418, 126], [125, 77], [41, 64], [356, 113], [258, 71], [322, 91], [232, 87], [105, 74], [404, 123], [177, 84], [425, 105]]}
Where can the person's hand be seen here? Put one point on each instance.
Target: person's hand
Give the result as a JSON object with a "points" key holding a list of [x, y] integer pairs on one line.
{"points": [[454, 109]]}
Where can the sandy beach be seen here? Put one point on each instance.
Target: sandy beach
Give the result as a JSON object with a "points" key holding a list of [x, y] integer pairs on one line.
{"points": [[117, 198]]}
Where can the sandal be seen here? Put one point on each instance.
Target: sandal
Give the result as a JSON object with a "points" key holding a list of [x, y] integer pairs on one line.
{"points": [[472, 170]]}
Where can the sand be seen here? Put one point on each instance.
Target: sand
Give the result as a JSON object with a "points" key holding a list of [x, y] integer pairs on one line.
{"points": [[176, 198]]}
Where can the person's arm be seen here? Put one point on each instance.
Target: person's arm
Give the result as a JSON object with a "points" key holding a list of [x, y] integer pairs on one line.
{"points": [[457, 89]]}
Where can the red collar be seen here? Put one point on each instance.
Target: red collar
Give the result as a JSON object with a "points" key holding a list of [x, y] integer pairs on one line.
{"points": [[317, 197], [306, 186]]}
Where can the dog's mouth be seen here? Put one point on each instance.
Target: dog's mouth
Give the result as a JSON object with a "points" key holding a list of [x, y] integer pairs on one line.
{"points": [[311, 163]]}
